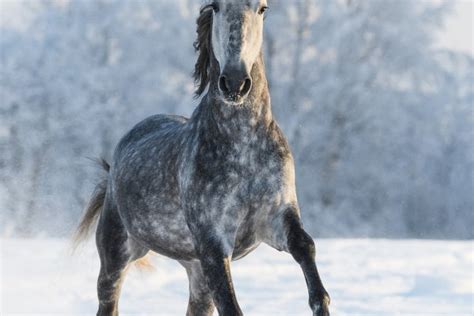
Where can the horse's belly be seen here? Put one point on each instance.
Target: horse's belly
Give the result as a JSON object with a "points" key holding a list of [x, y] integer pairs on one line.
{"points": [[241, 251], [163, 232], [247, 237]]}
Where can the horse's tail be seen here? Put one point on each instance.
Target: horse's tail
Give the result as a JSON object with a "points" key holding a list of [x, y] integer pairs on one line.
{"points": [[92, 211]]}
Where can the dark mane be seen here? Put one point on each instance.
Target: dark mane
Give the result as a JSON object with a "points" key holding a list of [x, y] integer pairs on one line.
{"points": [[202, 45]]}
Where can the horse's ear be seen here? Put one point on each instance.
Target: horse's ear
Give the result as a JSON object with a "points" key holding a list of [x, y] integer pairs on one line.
{"points": [[202, 45]]}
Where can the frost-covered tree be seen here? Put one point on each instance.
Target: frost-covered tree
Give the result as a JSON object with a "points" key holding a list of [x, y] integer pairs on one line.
{"points": [[380, 122], [357, 86], [73, 82]]}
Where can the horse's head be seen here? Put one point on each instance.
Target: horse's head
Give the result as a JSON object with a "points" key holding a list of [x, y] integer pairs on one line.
{"points": [[229, 32]]}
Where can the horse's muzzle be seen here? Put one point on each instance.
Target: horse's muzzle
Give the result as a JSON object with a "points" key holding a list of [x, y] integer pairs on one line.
{"points": [[234, 83]]}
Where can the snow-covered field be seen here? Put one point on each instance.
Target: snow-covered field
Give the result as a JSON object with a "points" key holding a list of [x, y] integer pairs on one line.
{"points": [[363, 277]]}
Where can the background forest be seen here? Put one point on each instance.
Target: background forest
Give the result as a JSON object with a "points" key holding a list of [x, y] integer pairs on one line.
{"points": [[379, 120]]}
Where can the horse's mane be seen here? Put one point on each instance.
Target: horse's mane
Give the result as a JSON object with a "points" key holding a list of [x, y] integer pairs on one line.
{"points": [[202, 45]]}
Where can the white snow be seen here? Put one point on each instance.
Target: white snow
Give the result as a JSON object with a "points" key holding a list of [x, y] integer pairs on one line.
{"points": [[363, 277]]}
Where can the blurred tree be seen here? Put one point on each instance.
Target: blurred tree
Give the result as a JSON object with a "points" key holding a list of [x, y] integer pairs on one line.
{"points": [[379, 121]]}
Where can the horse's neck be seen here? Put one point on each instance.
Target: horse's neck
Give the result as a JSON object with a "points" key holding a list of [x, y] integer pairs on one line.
{"points": [[232, 120]]}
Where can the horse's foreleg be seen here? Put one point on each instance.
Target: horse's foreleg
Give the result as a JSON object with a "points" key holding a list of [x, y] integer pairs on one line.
{"points": [[215, 265], [301, 246], [200, 298]]}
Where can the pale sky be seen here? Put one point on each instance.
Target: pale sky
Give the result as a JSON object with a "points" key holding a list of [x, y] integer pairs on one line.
{"points": [[458, 30], [457, 33]]}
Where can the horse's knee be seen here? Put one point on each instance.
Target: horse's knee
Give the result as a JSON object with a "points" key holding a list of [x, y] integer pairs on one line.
{"points": [[301, 246], [299, 242], [200, 306]]}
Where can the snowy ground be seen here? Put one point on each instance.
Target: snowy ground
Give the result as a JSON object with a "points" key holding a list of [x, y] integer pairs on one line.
{"points": [[363, 277]]}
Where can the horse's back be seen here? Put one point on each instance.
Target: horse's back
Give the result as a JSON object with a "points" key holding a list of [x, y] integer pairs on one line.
{"points": [[153, 125]]}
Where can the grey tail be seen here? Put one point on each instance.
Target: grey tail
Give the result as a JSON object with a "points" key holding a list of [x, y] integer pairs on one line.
{"points": [[93, 209]]}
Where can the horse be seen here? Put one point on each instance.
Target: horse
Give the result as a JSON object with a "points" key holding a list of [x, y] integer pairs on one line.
{"points": [[208, 189]]}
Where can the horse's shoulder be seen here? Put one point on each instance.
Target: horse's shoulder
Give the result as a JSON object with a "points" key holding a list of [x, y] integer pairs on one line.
{"points": [[160, 120], [278, 141]]}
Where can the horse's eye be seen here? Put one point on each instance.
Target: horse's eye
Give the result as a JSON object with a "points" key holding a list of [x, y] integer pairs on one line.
{"points": [[262, 10]]}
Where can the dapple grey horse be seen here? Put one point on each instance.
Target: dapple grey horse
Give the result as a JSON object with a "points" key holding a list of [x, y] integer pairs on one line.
{"points": [[209, 189]]}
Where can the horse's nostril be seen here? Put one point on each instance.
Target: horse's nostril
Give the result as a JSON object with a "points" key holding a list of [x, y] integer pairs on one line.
{"points": [[246, 86], [234, 86], [223, 84]]}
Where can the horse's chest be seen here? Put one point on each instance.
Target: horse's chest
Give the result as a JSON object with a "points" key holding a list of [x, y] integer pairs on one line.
{"points": [[245, 174], [231, 179]]}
